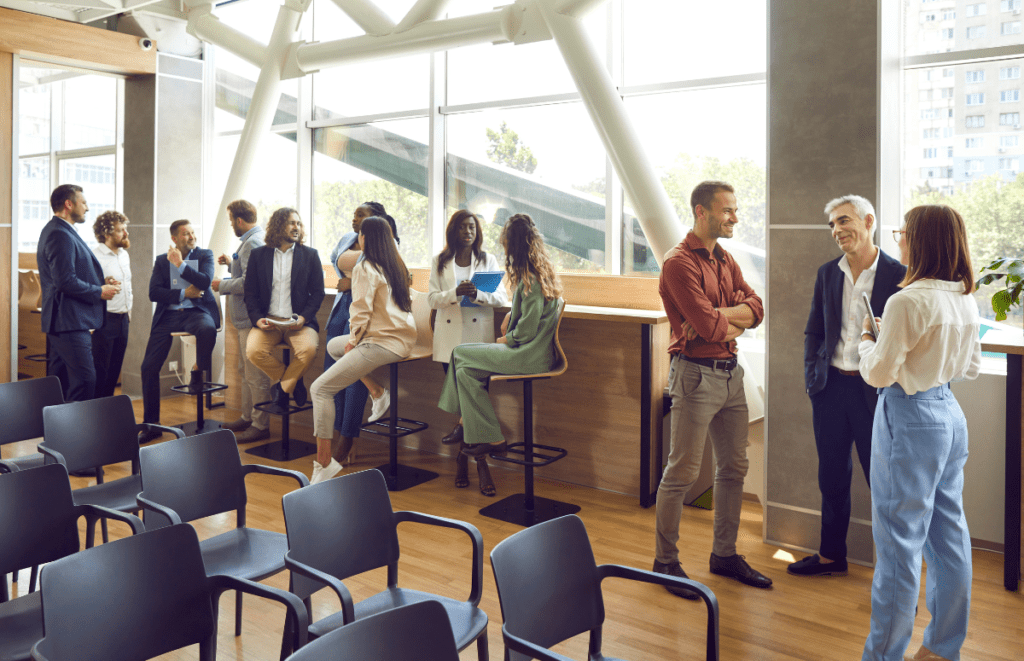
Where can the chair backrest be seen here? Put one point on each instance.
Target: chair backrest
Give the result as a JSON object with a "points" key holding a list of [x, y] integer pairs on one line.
{"points": [[561, 362], [418, 632], [21, 407], [93, 433], [134, 598], [548, 583], [196, 476], [38, 518], [31, 291], [421, 315], [342, 527]]}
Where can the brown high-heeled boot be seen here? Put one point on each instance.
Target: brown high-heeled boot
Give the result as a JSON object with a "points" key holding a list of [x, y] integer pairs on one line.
{"points": [[344, 450], [483, 472]]}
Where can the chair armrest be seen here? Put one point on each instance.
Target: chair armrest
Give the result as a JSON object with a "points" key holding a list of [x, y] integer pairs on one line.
{"points": [[705, 593], [274, 470], [143, 426], [36, 654], [221, 583], [348, 611], [476, 588], [51, 456], [94, 512], [517, 644], [7, 468], [147, 504]]}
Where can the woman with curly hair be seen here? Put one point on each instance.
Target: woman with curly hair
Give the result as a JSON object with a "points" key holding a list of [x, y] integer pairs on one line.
{"points": [[383, 332], [527, 347]]}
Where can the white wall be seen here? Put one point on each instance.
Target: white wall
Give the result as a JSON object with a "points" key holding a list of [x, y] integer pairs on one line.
{"points": [[984, 403]]}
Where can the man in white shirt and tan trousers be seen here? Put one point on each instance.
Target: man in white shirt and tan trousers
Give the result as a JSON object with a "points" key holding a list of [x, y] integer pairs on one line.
{"points": [[110, 341], [843, 404], [253, 424]]}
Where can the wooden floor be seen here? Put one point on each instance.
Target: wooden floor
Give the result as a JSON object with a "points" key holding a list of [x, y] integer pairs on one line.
{"points": [[800, 618]]}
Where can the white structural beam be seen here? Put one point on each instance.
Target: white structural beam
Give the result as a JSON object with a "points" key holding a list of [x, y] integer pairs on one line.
{"points": [[577, 8], [367, 16], [607, 110], [203, 25], [259, 118], [423, 38], [422, 11]]}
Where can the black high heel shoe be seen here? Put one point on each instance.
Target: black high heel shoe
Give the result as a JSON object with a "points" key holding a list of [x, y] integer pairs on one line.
{"points": [[455, 437], [483, 472]]}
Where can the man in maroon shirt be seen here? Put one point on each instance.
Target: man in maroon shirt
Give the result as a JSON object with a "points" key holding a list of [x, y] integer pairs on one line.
{"points": [[708, 305]]}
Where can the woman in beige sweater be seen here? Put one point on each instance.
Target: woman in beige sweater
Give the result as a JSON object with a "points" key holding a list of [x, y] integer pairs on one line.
{"points": [[382, 332]]}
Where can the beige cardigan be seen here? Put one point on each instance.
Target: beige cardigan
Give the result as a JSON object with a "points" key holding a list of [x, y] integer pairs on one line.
{"points": [[375, 318]]}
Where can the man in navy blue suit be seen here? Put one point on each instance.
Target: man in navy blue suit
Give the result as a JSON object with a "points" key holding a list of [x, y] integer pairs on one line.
{"points": [[842, 403], [74, 294], [184, 303]]}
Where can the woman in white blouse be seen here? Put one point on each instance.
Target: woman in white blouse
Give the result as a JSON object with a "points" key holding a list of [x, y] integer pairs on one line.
{"points": [[382, 332], [451, 277], [919, 441]]}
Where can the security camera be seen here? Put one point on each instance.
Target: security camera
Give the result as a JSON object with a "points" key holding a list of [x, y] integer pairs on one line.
{"points": [[146, 44]]}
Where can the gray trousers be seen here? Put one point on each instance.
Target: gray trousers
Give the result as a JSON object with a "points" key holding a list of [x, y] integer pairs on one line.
{"points": [[255, 384], [706, 403], [351, 367]]}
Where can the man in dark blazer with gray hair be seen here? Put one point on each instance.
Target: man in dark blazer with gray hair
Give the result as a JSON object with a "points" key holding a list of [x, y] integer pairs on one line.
{"points": [[74, 294], [843, 404]]}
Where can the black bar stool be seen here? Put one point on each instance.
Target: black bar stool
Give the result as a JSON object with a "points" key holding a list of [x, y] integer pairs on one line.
{"points": [[398, 476], [526, 509], [287, 448], [199, 387]]}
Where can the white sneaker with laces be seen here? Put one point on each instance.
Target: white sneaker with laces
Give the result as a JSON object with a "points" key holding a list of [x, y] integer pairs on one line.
{"points": [[380, 406], [322, 474]]}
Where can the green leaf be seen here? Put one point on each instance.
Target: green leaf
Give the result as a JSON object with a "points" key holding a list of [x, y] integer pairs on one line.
{"points": [[992, 277], [1001, 304], [1015, 293]]}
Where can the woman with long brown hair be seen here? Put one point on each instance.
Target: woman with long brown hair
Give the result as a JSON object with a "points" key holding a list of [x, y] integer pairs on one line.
{"points": [[526, 348], [382, 332], [931, 337], [451, 281]]}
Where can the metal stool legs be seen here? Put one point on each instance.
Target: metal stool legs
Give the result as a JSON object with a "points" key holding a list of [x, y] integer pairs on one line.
{"points": [[287, 448]]}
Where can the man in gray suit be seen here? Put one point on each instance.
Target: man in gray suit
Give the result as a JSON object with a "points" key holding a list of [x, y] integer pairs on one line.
{"points": [[253, 425]]}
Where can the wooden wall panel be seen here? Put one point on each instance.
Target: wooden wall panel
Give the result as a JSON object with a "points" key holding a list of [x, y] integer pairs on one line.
{"points": [[27, 261], [64, 42]]}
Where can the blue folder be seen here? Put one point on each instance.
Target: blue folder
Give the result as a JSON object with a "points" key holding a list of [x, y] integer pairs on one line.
{"points": [[486, 281]]}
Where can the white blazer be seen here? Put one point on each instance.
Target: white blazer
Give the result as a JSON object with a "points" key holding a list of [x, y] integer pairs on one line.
{"points": [[455, 324]]}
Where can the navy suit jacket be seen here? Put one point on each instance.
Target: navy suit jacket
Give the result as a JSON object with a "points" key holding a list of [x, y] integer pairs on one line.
{"points": [[825, 323], [160, 291], [307, 283], [71, 278]]}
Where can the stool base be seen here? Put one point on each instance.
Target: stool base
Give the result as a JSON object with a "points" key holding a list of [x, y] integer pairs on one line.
{"points": [[513, 510], [196, 427], [285, 450], [400, 477]]}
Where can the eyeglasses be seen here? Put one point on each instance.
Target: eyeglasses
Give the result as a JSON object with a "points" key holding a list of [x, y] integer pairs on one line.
{"points": [[896, 235]]}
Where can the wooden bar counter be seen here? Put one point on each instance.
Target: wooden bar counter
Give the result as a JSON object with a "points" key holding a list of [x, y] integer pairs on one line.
{"points": [[602, 410]]}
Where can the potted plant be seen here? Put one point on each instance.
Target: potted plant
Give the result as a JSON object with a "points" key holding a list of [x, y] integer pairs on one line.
{"points": [[1012, 272]]}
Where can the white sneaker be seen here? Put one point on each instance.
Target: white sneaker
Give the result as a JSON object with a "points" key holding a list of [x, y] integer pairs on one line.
{"points": [[321, 474], [381, 405]]}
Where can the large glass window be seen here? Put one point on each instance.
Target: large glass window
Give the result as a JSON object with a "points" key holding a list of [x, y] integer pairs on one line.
{"points": [[973, 165]]}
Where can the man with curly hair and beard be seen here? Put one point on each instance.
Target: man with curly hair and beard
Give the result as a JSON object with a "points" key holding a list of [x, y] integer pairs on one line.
{"points": [[284, 286]]}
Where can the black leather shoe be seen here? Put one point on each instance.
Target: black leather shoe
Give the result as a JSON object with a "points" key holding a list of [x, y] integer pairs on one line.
{"points": [[813, 566], [483, 449], [279, 396], [149, 435], [736, 567], [300, 393], [455, 437], [673, 569]]}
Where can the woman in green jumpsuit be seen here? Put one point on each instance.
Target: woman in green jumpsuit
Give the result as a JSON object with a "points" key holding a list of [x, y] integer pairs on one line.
{"points": [[528, 347]]}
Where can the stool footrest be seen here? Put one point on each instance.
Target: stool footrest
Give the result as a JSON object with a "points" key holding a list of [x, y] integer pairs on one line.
{"points": [[539, 460], [36, 357], [382, 427], [272, 408], [207, 387]]}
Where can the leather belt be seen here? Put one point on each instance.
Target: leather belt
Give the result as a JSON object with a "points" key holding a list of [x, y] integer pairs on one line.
{"points": [[724, 365], [847, 372]]}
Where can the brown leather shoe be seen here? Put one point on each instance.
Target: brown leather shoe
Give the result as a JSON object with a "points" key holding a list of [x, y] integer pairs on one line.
{"points": [[674, 569], [483, 449], [455, 437], [238, 425], [925, 654], [734, 566], [251, 435]]}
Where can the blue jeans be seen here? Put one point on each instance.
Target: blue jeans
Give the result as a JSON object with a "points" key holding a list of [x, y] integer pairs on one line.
{"points": [[350, 403], [919, 448]]}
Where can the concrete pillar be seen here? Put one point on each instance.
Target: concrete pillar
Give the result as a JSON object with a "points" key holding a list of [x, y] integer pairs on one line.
{"points": [[823, 141], [163, 182]]}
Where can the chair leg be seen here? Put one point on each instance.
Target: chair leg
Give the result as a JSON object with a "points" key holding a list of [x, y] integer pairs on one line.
{"points": [[103, 524], [90, 534], [286, 637], [32, 578], [238, 613], [481, 647], [528, 444]]}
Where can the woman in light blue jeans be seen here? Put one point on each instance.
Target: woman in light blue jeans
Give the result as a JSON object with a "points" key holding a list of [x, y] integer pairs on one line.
{"points": [[383, 332], [919, 440]]}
